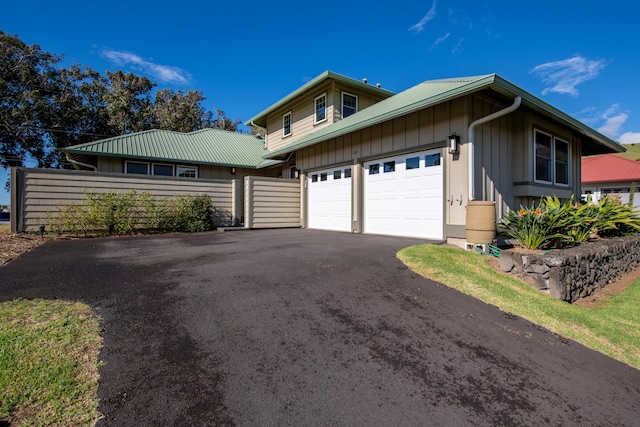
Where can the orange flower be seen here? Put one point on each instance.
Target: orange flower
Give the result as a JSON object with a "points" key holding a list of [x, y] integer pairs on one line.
{"points": [[522, 212], [538, 211]]}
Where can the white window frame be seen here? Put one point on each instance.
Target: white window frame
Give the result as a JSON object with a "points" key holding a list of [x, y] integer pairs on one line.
{"points": [[342, 103], [127, 162], [284, 116], [316, 111], [153, 165], [552, 169], [187, 167]]}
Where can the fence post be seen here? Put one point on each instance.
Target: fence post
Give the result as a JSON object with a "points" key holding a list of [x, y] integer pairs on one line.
{"points": [[248, 202]]}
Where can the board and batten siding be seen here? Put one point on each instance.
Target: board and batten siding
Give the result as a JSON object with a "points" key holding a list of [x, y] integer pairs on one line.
{"points": [[503, 153], [271, 202], [35, 192]]}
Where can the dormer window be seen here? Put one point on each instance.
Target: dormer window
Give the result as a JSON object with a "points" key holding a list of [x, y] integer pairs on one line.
{"points": [[286, 124], [320, 109], [349, 104]]}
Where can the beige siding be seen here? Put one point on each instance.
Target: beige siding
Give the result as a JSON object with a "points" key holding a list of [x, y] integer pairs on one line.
{"points": [[40, 191], [302, 112], [272, 203], [503, 152]]}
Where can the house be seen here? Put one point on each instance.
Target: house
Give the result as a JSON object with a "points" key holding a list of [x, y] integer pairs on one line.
{"points": [[406, 164], [206, 153], [611, 174]]}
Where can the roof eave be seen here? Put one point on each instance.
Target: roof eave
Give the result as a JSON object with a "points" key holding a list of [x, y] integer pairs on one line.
{"points": [[260, 118]]}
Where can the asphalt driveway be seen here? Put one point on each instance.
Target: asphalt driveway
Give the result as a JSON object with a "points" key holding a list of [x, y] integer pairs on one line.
{"points": [[304, 328]]}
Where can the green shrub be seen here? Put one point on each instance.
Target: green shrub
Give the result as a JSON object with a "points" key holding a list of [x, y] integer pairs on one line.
{"points": [[555, 223], [124, 213]]}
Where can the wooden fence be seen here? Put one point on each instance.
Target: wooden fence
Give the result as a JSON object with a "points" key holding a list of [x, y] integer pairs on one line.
{"points": [[271, 202]]}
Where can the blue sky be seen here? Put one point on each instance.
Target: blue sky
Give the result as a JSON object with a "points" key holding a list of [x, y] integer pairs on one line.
{"points": [[580, 56]]}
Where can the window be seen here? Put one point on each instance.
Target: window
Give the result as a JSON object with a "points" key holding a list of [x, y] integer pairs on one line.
{"points": [[413, 163], [320, 109], [138, 168], [314, 178], [349, 104], [551, 159], [389, 167], [286, 124], [187, 171], [323, 176], [374, 169], [337, 175], [432, 160], [347, 173], [162, 170]]}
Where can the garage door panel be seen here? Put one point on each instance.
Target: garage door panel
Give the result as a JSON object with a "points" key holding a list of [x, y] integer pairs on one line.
{"points": [[406, 201], [329, 199]]}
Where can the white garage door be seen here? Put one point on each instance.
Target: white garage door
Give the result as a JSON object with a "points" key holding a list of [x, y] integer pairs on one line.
{"points": [[404, 195], [329, 199]]}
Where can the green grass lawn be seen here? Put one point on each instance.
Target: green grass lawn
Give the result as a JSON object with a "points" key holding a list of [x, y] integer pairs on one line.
{"points": [[613, 328], [633, 151], [5, 227], [48, 363]]}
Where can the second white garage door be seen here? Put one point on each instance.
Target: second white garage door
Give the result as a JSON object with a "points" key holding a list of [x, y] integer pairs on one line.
{"points": [[329, 199], [403, 195]]}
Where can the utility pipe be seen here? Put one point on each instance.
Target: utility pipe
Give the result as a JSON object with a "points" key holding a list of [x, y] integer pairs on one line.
{"points": [[75, 162], [471, 136]]}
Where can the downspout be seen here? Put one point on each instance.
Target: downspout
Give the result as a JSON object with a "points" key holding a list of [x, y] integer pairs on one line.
{"points": [[265, 132], [77, 163], [471, 133]]}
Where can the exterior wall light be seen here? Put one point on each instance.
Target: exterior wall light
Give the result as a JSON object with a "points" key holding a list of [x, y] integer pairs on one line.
{"points": [[233, 170], [454, 142]]}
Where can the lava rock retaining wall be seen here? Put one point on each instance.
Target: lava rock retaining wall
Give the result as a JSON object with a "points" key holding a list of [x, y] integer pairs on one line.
{"points": [[574, 273]]}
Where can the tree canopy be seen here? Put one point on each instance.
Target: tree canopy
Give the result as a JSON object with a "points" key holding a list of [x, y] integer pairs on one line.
{"points": [[44, 107]]}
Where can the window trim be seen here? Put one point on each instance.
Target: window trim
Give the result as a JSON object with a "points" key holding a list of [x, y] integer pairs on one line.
{"points": [[126, 162], [186, 166], [315, 109], [153, 165], [552, 171], [342, 94], [284, 135]]}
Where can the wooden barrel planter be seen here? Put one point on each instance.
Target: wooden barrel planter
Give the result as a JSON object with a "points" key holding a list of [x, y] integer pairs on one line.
{"points": [[480, 222]]}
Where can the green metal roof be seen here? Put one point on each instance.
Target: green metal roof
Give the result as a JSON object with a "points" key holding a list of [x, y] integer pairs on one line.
{"points": [[434, 92], [260, 118], [205, 146]]}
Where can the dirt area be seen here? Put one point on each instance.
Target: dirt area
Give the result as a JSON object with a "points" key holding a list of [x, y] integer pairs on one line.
{"points": [[12, 245]]}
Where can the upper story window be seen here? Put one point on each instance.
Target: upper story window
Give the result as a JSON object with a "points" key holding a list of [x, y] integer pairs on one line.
{"points": [[320, 109], [349, 104], [286, 124], [551, 159]]}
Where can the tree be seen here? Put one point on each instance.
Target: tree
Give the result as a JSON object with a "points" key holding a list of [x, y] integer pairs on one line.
{"points": [[28, 83], [128, 102], [180, 112], [225, 123]]}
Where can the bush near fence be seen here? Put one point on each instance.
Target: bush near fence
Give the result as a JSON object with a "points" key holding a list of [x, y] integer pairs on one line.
{"points": [[125, 213]]}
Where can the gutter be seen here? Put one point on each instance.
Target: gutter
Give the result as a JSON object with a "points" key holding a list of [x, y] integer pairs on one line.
{"points": [[471, 136], [252, 123], [77, 163]]}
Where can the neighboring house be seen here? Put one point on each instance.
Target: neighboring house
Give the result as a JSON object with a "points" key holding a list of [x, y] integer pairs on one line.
{"points": [[409, 164], [206, 153], [611, 174]]}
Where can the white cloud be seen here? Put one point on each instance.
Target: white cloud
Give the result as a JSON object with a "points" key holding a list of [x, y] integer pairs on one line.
{"points": [[417, 28], [457, 47], [629, 138], [563, 76], [162, 73], [439, 40]]}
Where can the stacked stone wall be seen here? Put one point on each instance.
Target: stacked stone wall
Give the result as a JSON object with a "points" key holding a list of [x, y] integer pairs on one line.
{"points": [[574, 273]]}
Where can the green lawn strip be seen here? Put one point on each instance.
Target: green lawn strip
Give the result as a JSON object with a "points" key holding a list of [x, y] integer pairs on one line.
{"points": [[48, 363], [5, 227], [612, 328]]}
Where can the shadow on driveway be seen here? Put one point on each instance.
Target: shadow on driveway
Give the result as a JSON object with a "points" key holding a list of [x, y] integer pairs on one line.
{"points": [[300, 327]]}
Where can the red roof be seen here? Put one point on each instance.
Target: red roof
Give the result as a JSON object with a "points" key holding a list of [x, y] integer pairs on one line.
{"points": [[609, 168]]}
